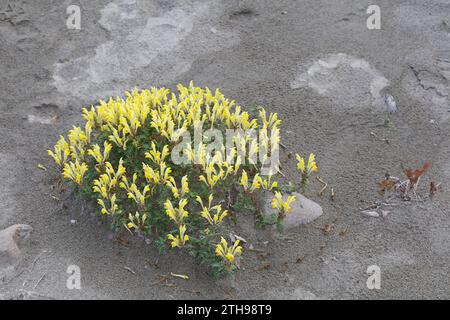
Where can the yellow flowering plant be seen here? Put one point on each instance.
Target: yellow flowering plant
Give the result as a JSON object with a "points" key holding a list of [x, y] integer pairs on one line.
{"points": [[306, 168], [180, 239], [228, 254], [283, 206], [123, 157], [137, 221], [208, 211]]}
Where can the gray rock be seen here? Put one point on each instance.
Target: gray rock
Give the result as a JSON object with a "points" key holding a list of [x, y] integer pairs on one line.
{"points": [[303, 211], [10, 240]]}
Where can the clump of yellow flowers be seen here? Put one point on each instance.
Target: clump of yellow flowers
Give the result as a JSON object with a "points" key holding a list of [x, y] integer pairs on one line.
{"points": [[283, 206], [124, 153], [306, 169], [228, 253]]}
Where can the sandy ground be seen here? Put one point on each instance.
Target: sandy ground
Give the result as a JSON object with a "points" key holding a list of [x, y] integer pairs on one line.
{"points": [[313, 62]]}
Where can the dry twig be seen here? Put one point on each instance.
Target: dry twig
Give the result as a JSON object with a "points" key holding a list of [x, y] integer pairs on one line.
{"points": [[324, 185]]}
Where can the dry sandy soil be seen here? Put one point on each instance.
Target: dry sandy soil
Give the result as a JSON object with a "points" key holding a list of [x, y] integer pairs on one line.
{"points": [[313, 62]]}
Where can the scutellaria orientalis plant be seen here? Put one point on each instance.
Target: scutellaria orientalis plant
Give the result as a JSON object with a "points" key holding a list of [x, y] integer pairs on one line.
{"points": [[124, 158]]}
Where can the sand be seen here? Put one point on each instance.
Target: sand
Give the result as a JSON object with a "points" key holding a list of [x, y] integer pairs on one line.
{"points": [[313, 62]]}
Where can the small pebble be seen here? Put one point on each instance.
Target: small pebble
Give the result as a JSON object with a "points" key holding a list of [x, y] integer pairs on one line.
{"points": [[371, 214], [391, 105]]}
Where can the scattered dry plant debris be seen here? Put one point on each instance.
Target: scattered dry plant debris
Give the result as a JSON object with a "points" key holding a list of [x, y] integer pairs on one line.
{"points": [[344, 231], [167, 278], [373, 134], [324, 185], [434, 187], [181, 276], [387, 184], [129, 270], [328, 228], [390, 183], [398, 188], [414, 175]]}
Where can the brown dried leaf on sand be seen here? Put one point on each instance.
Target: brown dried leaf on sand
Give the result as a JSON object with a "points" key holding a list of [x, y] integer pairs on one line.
{"points": [[414, 175], [387, 184]]}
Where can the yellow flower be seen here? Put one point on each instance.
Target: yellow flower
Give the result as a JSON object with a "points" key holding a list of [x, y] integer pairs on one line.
{"points": [[88, 132], [155, 155], [137, 195], [164, 172], [267, 185], [212, 175], [197, 156], [176, 214], [173, 134], [78, 140], [229, 254], [173, 186], [150, 175], [130, 124], [244, 180], [119, 140], [184, 185], [61, 151], [281, 205], [156, 177], [137, 221], [108, 180], [180, 239], [217, 217], [93, 117], [304, 169], [272, 122], [99, 156], [112, 209], [75, 171], [256, 183]]}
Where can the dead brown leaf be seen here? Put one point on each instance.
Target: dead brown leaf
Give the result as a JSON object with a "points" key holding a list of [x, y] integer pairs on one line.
{"points": [[386, 185], [414, 175], [328, 228]]}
